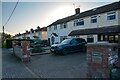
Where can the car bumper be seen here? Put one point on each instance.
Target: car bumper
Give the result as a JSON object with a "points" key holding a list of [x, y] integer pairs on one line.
{"points": [[55, 51]]}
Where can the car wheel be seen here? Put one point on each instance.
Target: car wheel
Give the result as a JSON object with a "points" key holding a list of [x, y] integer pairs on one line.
{"points": [[64, 52]]}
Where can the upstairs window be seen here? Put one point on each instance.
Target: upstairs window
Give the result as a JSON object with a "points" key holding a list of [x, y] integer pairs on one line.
{"points": [[50, 28], [63, 25], [55, 27], [111, 15], [94, 19], [79, 22]]}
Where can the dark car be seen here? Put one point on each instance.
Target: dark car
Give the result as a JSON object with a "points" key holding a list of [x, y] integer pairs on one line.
{"points": [[69, 45], [38, 44]]}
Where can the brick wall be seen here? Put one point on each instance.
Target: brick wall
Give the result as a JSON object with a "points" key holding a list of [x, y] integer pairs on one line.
{"points": [[98, 60]]}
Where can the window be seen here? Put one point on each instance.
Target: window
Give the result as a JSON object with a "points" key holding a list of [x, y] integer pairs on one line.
{"points": [[102, 37], [55, 27], [105, 37], [62, 38], [111, 16], [116, 37], [77, 36], [90, 38], [74, 42], [109, 38], [72, 36], [50, 28], [63, 25], [79, 22], [94, 19]]}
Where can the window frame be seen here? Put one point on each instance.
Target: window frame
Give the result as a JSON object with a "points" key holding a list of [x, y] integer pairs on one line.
{"points": [[79, 22], [55, 27], [50, 28], [111, 15], [94, 19], [63, 25]]}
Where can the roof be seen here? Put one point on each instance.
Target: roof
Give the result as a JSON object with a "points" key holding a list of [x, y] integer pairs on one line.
{"points": [[55, 34], [100, 30], [41, 29], [31, 30], [98, 10]]}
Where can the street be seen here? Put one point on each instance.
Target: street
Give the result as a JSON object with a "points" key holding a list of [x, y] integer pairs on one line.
{"points": [[45, 66]]}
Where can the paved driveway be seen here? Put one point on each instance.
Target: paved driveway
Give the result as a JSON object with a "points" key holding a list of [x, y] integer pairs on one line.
{"points": [[57, 66], [12, 67], [44, 66]]}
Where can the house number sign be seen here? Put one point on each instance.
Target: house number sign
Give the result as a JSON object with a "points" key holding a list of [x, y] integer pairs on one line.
{"points": [[97, 57]]}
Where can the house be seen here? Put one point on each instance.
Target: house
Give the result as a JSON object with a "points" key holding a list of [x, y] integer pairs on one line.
{"points": [[39, 33], [18, 36], [98, 24]]}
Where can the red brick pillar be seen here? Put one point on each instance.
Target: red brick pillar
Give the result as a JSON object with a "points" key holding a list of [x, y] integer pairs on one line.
{"points": [[25, 50], [99, 60]]}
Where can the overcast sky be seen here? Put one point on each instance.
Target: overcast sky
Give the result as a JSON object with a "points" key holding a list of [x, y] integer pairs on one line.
{"points": [[29, 15]]}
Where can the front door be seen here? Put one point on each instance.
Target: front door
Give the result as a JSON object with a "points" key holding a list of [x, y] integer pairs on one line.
{"points": [[52, 39]]}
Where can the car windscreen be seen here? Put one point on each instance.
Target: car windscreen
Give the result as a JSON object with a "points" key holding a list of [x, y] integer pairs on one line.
{"points": [[66, 41]]}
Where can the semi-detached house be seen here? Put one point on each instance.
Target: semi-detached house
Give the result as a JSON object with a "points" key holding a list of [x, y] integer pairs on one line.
{"points": [[39, 33], [98, 24]]}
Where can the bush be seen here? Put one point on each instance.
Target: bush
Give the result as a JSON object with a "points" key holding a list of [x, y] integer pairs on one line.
{"points": [[4, 45], [37, 50], [8, 43]]}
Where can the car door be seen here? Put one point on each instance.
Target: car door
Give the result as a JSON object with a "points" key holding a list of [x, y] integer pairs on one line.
{"points": [[74, 45], [81, 44]]}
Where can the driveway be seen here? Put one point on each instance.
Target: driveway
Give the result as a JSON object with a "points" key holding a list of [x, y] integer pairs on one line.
{"points": [[44, 66], [12, 67], [58, 66]]}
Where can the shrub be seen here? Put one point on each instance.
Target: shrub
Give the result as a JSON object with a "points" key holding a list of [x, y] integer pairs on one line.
{"points": [[37, 50]]}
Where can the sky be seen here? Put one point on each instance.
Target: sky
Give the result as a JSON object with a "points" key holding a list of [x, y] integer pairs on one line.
{"points": [[31, 14]]}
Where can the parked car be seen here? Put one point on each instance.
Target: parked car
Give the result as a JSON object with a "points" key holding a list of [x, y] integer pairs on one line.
{"points": [[38, 44], [69, 45]]}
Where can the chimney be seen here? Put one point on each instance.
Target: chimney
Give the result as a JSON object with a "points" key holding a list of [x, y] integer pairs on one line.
{"points": [[38, 27], [77, 10], [32, 30], [26, 31]]}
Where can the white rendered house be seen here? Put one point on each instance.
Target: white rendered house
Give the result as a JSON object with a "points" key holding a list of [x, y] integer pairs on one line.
{"points": [[87, 25]]}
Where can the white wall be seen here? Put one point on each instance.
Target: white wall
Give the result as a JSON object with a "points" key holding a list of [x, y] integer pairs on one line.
{"points": [[31, 35], [19, 37], [60, 32], [28, 35], [44, 35], [101, 22]]}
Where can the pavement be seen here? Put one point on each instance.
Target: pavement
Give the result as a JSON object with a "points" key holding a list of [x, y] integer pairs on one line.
{"points": [[44, 66], [12, 67]]}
